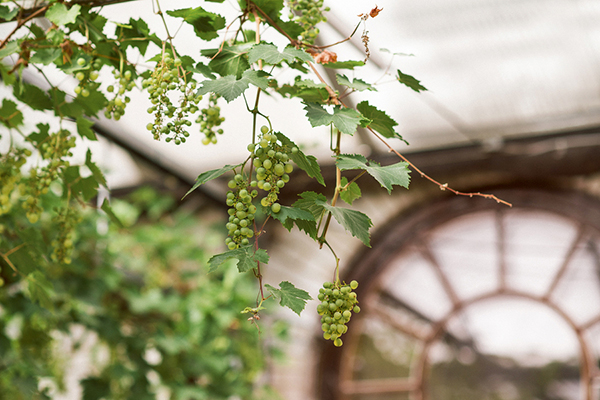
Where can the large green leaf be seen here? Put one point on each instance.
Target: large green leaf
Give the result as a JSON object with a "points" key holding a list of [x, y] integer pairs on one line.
{"points": [[270, 55], [45, 56], [290, 296], [10, 48], [380, 121], [246, 256], [40, 289], [410, 81], [10, 114], [287, 216], [59, 14], [137, 34], [32, 95], [205, 23], [231, 60], [353, 221], [356, 84], [344, 119], [84, 128], [210, 175], [8, 14], [96, 172], [387, 176], [230, 88], [317, 115], [308, 164]]}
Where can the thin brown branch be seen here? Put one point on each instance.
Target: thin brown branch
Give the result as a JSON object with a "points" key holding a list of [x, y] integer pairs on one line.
{"points": [[252, 5], [442, 186], [22, 22]]}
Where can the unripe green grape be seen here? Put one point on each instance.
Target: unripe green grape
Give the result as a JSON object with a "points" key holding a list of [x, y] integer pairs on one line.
{"points": [[356, 309], [264, 129], [80, 76], [276, 207], [267, 164], [266, 186], [288, 168], [81, 61], [354, 285], [231, 184], [279, 169]]}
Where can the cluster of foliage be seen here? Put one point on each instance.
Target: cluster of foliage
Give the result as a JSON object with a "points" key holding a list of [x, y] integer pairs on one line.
{"points": [[162, 325], [77, 43]]}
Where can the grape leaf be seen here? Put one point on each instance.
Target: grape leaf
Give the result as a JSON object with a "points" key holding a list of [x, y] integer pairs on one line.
{"points": [[138, 35], [356, 84], [108, 210], [346, 119], [380, 121], [317, 115], [230, 88], [10, 48], [351, 193], [246, 256], [231, 60], [410, 81], [96, 173], [355, 222], [7, 14], [210, 175], [290, 296], [39, 289], [45, 56], [32, 95], [84, 128], [60, 15], [387, 176], [344, 64], [270, 55], [308, 164], [287, 216], [87, 187], [205, 23], [10, 114]]}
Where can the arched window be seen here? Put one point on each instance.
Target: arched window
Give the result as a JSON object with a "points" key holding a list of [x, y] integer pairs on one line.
{"points": [[464, 299]]}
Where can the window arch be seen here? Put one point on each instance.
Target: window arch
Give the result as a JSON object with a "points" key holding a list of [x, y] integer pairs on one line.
{"points": [[464, 298]]}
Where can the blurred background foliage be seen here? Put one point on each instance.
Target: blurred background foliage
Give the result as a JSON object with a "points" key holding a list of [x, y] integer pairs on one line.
{"points": [[138, 298]]}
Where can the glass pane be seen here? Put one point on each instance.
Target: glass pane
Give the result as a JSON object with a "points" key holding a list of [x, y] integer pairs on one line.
{"points": [[383, 352], [578, 292], [413, 281], [518, 350], [467, 251], [536, 246]]}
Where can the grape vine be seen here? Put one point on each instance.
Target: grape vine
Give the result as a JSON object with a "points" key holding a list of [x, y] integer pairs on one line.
{"points": [[244, 63]]}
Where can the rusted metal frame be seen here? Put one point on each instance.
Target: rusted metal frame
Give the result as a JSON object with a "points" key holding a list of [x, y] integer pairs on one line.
{"points": [[426, 252], [566, 262], [588, 370], [377, 386], [501, 248]]}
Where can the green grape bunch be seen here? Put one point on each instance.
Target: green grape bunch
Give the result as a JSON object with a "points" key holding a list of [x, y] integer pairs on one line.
{"points": [[209, 118], [273, 166], [338, 301], [241, 213], [55, 149], [66, 220], [124, 83], [87, 75], [170, 120], [10, 175], [307, 14]]}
